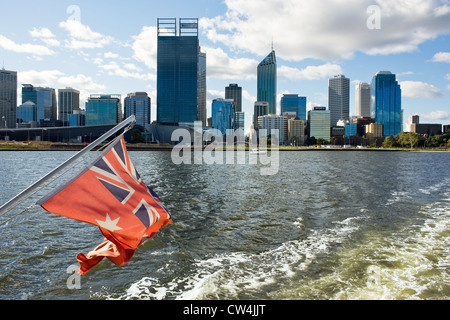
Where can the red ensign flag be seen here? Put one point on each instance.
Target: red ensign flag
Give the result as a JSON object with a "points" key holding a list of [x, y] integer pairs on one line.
{"points": [[111, 195]]}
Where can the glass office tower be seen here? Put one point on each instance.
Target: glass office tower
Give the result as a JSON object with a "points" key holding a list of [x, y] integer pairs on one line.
{"points": [[294, 103], [339, 99], [180, 63], [267, 82], [139, 105], [223, 115], [386, 103], [45, 100], [8, 98], [103, 110], [319, 123]]}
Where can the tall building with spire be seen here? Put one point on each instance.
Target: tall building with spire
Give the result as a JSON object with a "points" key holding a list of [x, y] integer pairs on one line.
{"points": [[267, 82], [386, 103]]}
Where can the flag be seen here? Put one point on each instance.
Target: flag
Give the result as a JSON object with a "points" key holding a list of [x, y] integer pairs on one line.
{"points": [[111, 195]]}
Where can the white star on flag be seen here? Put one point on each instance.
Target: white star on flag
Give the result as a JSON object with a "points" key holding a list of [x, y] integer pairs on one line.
{"points": [[108, 224]]}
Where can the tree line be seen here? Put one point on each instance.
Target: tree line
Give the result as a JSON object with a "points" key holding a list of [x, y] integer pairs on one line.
{"points": [[415, 140]]}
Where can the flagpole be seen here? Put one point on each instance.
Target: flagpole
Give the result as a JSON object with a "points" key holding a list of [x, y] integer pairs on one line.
{"points": [[126, 124]]}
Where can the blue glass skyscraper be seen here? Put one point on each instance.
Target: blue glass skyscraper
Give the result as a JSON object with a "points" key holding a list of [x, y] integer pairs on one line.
{"points": [[294, 103], [45, 101], [103, 110], [179, 65], [267, 82], [386, 103], [223, 115]]}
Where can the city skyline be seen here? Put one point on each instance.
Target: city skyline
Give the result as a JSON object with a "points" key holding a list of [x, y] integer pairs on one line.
{"points": [[79, 44]]}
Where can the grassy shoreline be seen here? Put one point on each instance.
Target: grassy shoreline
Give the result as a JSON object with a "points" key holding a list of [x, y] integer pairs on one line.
{"points": [[50, 146]]}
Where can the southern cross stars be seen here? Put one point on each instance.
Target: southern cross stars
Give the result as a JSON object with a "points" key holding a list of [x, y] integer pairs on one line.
{"points": [[108, 224]]}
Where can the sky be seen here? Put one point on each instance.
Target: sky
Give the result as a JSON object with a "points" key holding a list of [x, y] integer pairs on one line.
{"points": [[110, 46]]}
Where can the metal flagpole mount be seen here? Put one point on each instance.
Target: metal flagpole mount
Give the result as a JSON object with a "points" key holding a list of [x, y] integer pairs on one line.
{"points": [[127, 125]]}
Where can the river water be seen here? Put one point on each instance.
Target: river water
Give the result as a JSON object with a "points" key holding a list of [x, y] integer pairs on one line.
{"points": [[329, 225]]}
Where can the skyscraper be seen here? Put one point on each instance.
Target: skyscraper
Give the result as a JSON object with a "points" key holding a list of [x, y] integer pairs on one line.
{"points": [[45, 100], [201, 88], [103, 110], [8, 98], [233, 91], [272, 122], [223, 115], [339, 99], [180, 62], [294, 103], [68, 101], [261, 108], [386, 103], [319, 123], [363, 100], [139, 105], [267, 82]]}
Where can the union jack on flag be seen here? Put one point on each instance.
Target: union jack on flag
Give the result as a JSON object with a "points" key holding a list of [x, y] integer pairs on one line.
{"points": [[111, 195]]}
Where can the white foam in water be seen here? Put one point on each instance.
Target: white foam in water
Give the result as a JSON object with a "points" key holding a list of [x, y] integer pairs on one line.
{"points": [[228, 276], [412, 263]]}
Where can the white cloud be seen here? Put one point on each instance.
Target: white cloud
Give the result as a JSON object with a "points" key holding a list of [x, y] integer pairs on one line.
{"points": [[418, 89], [81, 82], [44, 78], [82, 37], [441, 57], [326, 30], [114, 69], [310, 72], [435, 116], [145, 47], [36, 50], [45, 35], [221, 66]]}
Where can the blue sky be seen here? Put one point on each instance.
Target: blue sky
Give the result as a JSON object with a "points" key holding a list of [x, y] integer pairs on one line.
{"points": [[101, 46]]}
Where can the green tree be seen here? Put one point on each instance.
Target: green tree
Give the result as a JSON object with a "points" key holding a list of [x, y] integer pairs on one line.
{"points": [[389, 142], [408, 139]]}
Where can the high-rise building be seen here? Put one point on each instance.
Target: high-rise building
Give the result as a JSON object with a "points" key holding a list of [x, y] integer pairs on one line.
{"points": [[45, 100], [267, 82], [27, 113], [239, 120], [386, 103], [77, 118], [272, 122], [233, 91], [339, 99], [8, 98], [319, 123], [294, 103], [180, 66], [374, 132], [139, 105], [201, 88], [103, 110], [362, 100], [68, 102], [223, 115], [261, 108], [296, 132]]}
